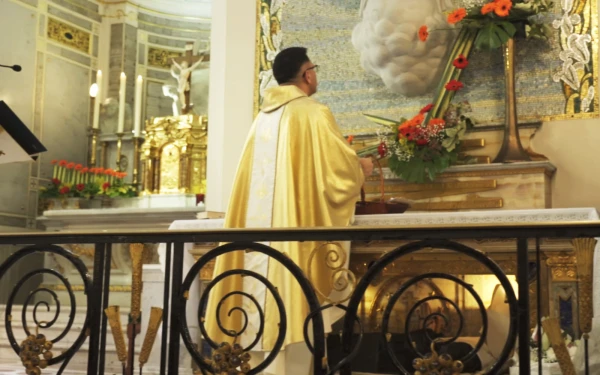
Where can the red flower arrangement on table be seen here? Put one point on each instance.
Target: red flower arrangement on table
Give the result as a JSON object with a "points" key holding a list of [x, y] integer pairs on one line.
{"points": [[423, 146], [72, 180]]}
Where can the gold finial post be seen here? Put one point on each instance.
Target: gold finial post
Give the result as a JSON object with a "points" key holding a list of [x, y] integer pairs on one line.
{"points": [[156, 316], [136, 252], [552, 328], [113, 314]]}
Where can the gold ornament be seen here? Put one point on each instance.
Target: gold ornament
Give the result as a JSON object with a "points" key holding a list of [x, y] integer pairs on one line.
{"points": [[434, 364], [32, 348], [230, 360]]}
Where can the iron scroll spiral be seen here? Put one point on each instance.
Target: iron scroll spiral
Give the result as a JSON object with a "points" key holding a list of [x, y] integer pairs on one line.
{"points": [[396, 296], [81, 269], [390, 257], [297, 273]]}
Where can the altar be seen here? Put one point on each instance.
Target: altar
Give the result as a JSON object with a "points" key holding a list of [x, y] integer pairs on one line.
{"points": [[558, 272]]}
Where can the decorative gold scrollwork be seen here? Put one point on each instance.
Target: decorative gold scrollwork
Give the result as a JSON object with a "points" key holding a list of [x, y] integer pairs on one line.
{"points": [[342, 279]]}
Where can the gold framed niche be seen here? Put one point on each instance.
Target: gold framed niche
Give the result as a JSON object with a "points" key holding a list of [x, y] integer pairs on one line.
{"points": [[174, 155]]}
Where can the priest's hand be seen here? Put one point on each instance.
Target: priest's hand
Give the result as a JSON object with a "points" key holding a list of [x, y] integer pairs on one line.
{"points": [[367, 166]]}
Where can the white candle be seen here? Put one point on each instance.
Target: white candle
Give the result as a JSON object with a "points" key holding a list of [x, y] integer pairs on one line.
{"points": [[137, 123], [121, 123], [96, 114]]}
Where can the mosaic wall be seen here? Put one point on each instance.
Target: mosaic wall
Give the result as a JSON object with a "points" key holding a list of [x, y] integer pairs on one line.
{"points": [[555, 80]]}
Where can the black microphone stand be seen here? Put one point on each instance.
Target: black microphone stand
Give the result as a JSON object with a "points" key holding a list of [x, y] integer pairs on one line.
{"points": [[16, 68]]}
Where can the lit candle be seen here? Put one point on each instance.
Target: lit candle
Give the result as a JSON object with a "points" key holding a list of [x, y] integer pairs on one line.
{"points": [[96, 96], [121, 124], [138, 107]]}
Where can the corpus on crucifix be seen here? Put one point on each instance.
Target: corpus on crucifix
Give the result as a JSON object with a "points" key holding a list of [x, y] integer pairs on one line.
{"points": [[182, 69]]}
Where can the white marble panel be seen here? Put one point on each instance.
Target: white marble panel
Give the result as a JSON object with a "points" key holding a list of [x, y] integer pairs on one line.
{"points": [[18, 27], [66, 107]]}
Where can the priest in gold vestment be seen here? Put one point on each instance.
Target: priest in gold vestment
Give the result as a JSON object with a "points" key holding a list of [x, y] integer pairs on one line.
{"points": [[296, 170]]}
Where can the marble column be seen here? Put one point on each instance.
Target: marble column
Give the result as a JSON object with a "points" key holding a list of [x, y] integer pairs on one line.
{"points": [[231, 95]]}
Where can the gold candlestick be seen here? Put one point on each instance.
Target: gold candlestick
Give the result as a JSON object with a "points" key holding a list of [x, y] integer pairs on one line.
{"points": [[119, 150], [103, 152], [156, 316], [137, 144], [114, 320], [93, 145]]}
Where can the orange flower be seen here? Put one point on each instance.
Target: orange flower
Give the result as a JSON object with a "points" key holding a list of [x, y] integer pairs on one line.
{"points": [[457, 16], [63, 163], [85, 170], [488, 8], [78, 167], [54, 162], [437, 122], [503, 8], [417, 120], [350, 139], [71, 165], [423, 33]]}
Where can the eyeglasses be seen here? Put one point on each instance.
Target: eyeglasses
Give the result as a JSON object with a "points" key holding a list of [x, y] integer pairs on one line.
{"points": [[314, 67]]}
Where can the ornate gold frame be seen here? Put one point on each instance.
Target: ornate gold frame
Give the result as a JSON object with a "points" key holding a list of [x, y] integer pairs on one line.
{"points": [[187, 134]]}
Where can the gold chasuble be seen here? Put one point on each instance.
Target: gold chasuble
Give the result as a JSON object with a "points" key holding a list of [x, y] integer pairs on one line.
{"points": [[296, 170]]}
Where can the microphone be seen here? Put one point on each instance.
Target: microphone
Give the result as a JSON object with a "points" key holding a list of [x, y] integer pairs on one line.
{"points": [[16, 68]]}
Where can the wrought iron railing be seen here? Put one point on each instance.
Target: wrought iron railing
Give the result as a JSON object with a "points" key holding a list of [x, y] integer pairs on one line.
{"points": [[427, 354]]}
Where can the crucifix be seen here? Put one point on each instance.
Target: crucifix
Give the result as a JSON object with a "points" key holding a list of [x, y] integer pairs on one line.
{"points": [[186, 64]]}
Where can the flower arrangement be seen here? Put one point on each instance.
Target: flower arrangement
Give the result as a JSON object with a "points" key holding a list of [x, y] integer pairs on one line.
{"points": [[71, 180], [425, 145], [419, 149], [496, 21], [547, 351]]}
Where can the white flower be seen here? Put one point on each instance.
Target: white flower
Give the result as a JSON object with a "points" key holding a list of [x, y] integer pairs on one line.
{"points": [[550, 356]]}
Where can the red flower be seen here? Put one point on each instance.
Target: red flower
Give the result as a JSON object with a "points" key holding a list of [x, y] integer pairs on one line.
{"points": [[105, 185], [426, 109], [80, 187], [65, 190], [423, 33], [78, 167], [71, 165], [460, 62], [53, 162], [382, 149], [56, 181], [99, 170], [85, 170], [62, 163], [422, 142], [454, 85], [109, 172], [350, 139]]}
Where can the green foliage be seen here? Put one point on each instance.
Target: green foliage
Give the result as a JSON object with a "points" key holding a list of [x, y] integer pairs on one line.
{"points": [[426, 164], [120, 189], [494, 34]]}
